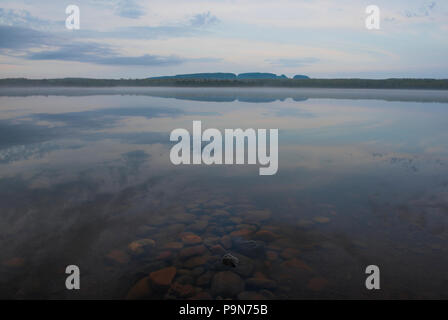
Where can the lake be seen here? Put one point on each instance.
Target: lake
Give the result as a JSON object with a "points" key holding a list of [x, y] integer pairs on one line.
{"points": [[86, 180]]}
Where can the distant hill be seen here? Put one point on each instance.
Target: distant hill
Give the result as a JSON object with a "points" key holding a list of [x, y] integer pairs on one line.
{"points": [[214, 76], [259, 75], [225, 76], [300, 76]]}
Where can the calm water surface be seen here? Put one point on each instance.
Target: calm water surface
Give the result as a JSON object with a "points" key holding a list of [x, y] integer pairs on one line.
{"points": [[85, 179]]}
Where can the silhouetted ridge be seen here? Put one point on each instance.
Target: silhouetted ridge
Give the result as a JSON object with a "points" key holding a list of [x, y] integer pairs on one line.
{"points": [[300, 76], [213, 76], [226, 76], [259, 75]]}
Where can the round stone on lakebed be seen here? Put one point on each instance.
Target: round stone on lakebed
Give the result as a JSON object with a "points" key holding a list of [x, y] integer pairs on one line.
{"points": [[189, 238], [173, 245], [243, 233], [192, 251], [139, 246], [227, 284], [196, 261], [140, 290], [266, 235], [163, 277], [204, 279], [182, 290], [226, 242]]}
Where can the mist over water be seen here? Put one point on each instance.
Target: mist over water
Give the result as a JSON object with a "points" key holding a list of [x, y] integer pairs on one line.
{"points": [[86, 179]]}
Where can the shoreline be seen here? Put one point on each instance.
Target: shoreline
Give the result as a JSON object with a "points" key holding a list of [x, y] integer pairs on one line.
{"points": [[414, 84]]}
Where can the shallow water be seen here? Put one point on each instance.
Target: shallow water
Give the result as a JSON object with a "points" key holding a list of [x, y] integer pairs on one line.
{"points": [[362, 179]]}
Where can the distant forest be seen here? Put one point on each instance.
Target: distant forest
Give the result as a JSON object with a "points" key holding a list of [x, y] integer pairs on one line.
{"points": [[286, 83]]}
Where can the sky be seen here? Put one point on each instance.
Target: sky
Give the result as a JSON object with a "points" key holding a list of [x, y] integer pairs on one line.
{"points": [[139, 39]]}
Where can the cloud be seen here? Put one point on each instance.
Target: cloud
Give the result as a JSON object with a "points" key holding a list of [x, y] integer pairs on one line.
{"points": [[88, 52], [185, 29], [191, 26], [103, 55], [72, 51], [423, 11], [292, 62], [129, 9], [22, 38], [144, 60], [203, 19], [145, 32], [23, 18]]}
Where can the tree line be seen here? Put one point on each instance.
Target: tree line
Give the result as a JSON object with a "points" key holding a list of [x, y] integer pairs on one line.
{"points": [[287, 83]]}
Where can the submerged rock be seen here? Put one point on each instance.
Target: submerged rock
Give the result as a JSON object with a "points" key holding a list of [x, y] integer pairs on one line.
{"points": [[185, 279], [246, 266], [163, 277], [191, 238], [217, 249], [226, 242], [195, 262], [211, 241], [182, 290], [192, 251], [230, 260], [227, 284], [242, 233], [204, 279], [250, 248], [266, 235], [140, 290], [164, 255], [139, 246]]}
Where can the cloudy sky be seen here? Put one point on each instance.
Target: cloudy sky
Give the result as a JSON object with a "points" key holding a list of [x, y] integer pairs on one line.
{"points": [[137, 39]]}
